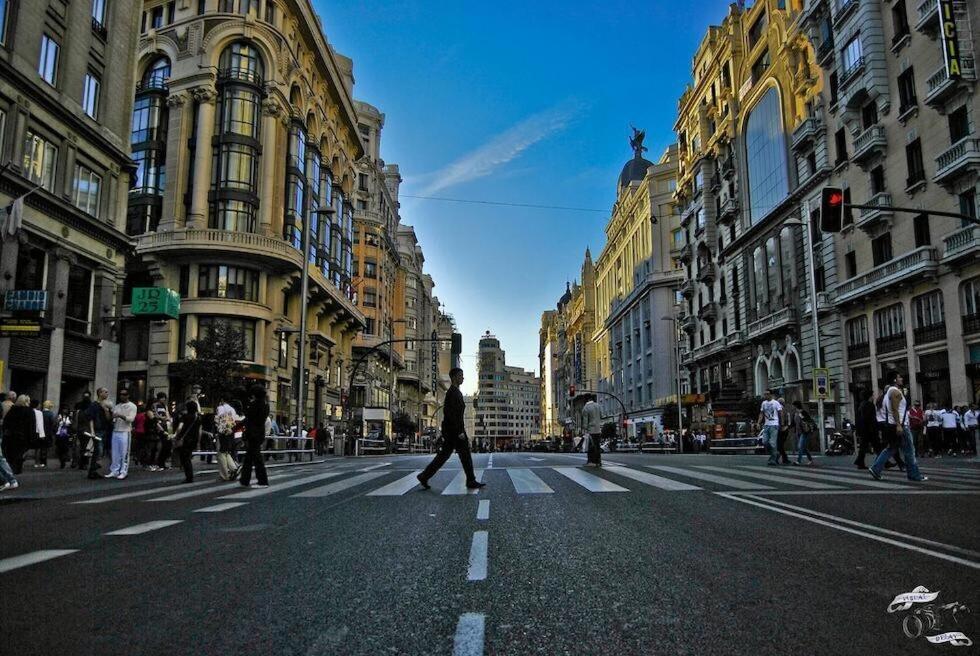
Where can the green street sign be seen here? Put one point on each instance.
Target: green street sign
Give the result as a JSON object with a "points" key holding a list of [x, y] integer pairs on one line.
{"points": [[155, 303]]}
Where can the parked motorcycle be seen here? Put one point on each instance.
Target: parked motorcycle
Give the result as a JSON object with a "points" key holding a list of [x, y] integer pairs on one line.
{"points": [[840, 445]]}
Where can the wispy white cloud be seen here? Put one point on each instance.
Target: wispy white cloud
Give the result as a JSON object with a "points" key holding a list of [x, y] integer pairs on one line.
{"points": [[502, 148]]}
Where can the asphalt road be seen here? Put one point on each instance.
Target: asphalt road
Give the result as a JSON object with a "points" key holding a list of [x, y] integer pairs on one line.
{"points": [[670, 554]]}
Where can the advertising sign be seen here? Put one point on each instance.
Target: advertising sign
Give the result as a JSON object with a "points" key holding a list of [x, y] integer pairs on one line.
{"points": [[25, 300], [951, 46], [155, 303]]}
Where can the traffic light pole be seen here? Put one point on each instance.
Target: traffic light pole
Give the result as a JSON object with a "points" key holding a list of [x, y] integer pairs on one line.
{"points": [[814, 321]]}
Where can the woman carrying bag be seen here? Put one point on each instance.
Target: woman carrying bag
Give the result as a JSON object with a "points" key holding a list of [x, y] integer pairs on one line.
{"points": [[186, 437]]}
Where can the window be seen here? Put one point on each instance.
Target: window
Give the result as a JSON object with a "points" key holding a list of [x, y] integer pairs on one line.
{"points": [[850, 264], [766, 157], [221, 281], [362, 182], [869, 115], [761, 280], [370, 268], [369, 327], [900, 20], [283, 349], [701, 222], [970, 298], [40, 160], [921, 227], [840, 142], [98, 11], [760, 66], [968, 204], [3, 127], [877, 180], [134, 340], [48, 65], [913, 157], [78, 304], [857, 331], [959, 125], [90, 95], [370, 298], [834, 89], [757, 30], [201, 7], [906, 90], [4, 10], [245, 326], [928, 309], [890, 322], [852, 56], [270, 12], [881, 249], [87, 190]]}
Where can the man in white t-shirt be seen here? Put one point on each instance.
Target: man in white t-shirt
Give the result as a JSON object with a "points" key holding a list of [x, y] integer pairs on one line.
{"points": [[769, 418], [971, 420], [951, 427], [897, 415]]}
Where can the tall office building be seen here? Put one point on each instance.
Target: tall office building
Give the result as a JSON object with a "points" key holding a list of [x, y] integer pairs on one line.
{"points": [[508, 398]]}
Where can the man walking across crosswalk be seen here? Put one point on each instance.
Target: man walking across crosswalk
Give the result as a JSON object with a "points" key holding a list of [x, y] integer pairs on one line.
{"points": [[454, 436], [769, 414], [592, 427]]}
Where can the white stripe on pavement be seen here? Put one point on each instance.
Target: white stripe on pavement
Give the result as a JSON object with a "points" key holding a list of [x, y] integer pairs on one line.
{"points": [[478, 557], [262, 491], [340, 486], [588, 481], [16, 562], [483, 509], [144, 493], [378, 466], [812, 485], [652, 479], [140, 529], [762, 503], [846, 480], [535, 459], [221, 507], [458, 484], [231, 485], [730, 482], [527, 482], [469, 635], [901, 479], [399, 487]]}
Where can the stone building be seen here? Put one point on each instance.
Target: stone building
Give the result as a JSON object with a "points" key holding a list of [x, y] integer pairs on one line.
{"points": [[244, 129], [508, 398], [66, 80], [903, 120], [550, 380], [636, 282]]}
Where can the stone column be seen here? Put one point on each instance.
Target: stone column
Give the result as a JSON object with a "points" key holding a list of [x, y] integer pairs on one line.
{"points": [[57, 285], [271, 114], [179, 125], [104, 302], [205, 96]]}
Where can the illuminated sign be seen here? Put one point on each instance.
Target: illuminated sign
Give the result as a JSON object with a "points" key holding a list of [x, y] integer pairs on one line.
{"points": [[25, 300], [951, 46], [155, 303]]}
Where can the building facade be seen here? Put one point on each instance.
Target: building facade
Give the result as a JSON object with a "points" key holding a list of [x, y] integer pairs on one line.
{"points": [[66, 79], [636, 282], [508, 398], [413, 317], [245, 132], [902, 107]]}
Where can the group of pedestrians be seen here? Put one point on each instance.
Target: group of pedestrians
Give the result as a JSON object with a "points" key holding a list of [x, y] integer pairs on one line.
{"points": [[781, 421], [950, 432]]}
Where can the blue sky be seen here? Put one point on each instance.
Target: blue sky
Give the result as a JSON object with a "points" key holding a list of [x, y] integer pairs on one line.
{"points": [[521, 102]]}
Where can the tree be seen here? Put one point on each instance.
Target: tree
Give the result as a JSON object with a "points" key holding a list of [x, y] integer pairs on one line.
{"points": [[402, 423], [217, 363]]}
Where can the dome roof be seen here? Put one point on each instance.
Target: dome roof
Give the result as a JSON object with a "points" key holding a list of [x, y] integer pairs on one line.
{"points": [[566, 297], [634, 171]]}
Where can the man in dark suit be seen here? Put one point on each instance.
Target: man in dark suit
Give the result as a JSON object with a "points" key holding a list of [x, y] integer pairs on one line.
{"points": [[454, 436]]}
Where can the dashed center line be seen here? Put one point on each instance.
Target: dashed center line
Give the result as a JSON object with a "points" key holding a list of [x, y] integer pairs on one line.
{"points": [[221, 507], [478, 557], [483, 510], [16, 562], [469, 635], [139, 529]]}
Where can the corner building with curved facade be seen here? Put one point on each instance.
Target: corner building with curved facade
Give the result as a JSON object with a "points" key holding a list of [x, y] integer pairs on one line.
{"points": [[243, 128]]}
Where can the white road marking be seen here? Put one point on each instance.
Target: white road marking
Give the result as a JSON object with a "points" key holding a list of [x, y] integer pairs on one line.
{"points": [[870, 527], [527, 482], [143, 493], [478, 557], [469, 635], [340, 486], [652, 479], [140, 529], [399, 487], [458, 484], [483, 509], [378, 466], [776, 479], [535, 459], [730, 482], [209, 490], [490, 462], [262, 491], [900, 480], [588, 481], [846, 480], [762, 503], [804, 493], [16, 562], [221, 507]]}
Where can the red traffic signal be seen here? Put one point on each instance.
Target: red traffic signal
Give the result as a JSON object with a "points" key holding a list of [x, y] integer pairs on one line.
{"points": [[571, 391], [831, 209]]}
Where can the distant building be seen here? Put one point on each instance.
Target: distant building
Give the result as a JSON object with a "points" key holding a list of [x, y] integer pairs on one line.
{"points": [[469, 417], [508, 398]]}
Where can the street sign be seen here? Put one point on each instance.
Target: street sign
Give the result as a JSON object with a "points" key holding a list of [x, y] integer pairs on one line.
{"points": [[20, 328], [821, 383], [25, 300], [951, 46], [155, 303]]}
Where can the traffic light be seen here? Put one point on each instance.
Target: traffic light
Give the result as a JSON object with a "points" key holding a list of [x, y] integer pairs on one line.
{"points": [[571, 391], [831, 209]]}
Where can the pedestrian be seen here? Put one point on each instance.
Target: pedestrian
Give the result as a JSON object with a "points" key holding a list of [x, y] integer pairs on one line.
{"points": [[8, 402], [592, 426], [165, 433], [454, 435], [769, 415], [867, 429], [186, 436], [951, 426], [256, 414], [6, 472], [63, 436], [917, 424], [79, 424], [123, 416], [45, 435], [100, 413], [139, 435], [934, 431], [226, 419], [19, 432], [885, 434], [785, 428], [900, 437], [804, 426], [971, 420]]}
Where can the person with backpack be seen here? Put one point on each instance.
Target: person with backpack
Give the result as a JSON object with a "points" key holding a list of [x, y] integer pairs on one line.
{"points": [[256, 414], [187, 434], [900, 436], [885, 435], [804, 426]]}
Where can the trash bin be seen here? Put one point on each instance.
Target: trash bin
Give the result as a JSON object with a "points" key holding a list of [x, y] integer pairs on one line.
{"points": [[338, 445]]}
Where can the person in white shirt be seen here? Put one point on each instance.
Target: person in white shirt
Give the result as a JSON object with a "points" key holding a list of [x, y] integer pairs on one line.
{"points": [[934, 430], [769, 414], [592, 426], [971, 421], [40, 453], [951, 428], [225, 421], [123, 415], [896, 408]]}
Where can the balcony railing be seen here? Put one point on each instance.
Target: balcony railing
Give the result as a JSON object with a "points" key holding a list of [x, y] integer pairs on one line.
{"points": [[939, 86], [729, 210], [686, 252], [890, 344], [965, 242], [922, 261], [689, 323], [240, 75], [735, 338], [709, 312], [806, 131], [850, 73], [99, 29], [869, 142], [870, 217], [971, 324], [843, 10], [858, 351], [687, 288], [708, 273], [774, 321], [960, 158], [928, 15], [707, 350], [926, 334]]}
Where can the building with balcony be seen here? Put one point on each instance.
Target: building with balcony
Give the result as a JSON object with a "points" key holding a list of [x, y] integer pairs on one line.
{"points": [[905, 134], [508, 398], [66, 81], [245, 136], [637, 283]]}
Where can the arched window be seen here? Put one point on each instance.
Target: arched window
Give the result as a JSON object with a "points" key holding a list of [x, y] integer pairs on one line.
{"points": [[148, 141], [761, 279], [761, 377], [235, 180], [787, 260], [765, 146], [792, 369]]}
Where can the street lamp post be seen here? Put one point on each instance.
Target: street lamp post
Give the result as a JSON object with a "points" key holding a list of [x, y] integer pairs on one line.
{"points": [[677, 371]]}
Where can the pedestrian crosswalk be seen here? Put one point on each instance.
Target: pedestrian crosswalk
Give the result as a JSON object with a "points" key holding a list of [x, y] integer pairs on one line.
{"points": [[379, 482]]}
